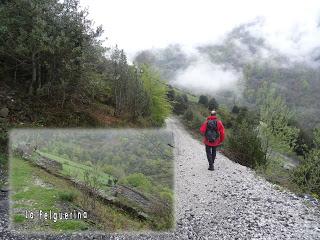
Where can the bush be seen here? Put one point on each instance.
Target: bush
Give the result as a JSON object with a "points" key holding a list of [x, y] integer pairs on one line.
{"points": [[197, 121], [180, 105], [188, 115], [235, 109], [307, 174], [67, 196], [213, 104], [203, 100], [117, 172], [138, 180], [244, 146]]}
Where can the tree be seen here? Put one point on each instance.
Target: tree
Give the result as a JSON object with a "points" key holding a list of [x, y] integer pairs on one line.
{"points": [[203, 100], [160, 107], [138, 180], [235, 109], [180, 105], [274, 130], [213, 104], [244, 146], [307, 174], [50, 48]]}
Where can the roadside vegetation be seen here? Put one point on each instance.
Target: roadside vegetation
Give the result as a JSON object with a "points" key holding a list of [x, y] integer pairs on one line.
{"points": [[266, 138]]}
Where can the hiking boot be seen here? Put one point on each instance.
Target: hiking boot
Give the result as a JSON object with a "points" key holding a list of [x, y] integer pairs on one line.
{"points": [[211, 168]]}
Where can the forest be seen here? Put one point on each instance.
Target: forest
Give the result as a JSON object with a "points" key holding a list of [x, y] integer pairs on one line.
{"points": [[55, 70]]}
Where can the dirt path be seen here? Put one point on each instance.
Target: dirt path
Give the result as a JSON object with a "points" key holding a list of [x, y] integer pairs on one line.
{"points": [[228, 203]]}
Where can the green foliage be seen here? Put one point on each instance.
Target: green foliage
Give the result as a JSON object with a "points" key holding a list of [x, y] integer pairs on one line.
{"points": [[167, 195], [51, 51], [67, 196], [160, 108], [114, 171], [106, 218], [213, 104], [307, 174], [51, 42], [274, 130], [18, 218], [203, 100], [188, 115], [235, 109], [180, 105], [171, 94], [71, 225], [244, 146], [226, 117], [3, 159], [138, 180]]}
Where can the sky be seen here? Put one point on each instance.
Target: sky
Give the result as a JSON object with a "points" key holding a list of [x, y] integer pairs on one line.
{"points": [[291, 26]]}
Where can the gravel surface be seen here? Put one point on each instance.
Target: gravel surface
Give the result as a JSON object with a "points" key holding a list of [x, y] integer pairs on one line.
{"points": [[228, 203]]}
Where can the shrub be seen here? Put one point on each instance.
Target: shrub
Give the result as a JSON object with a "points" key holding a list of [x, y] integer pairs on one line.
{"points": [[213, 104], [67, 196], [307, 174], [180, 105], [197, 122], [203, 100], [138, 180], [188, 115], [235, 109], [244, 146]]}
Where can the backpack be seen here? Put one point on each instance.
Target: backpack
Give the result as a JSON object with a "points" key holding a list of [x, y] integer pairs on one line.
{"points": [[212, 133]]}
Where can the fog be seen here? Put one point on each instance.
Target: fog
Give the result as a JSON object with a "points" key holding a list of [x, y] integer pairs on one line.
{"points": [[204, 77], [288, 28]]}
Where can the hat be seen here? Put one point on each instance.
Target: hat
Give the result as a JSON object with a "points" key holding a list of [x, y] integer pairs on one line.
{"points": [[213, 112]]}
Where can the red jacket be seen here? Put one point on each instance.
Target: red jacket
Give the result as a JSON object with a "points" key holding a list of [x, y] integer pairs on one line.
{"points": [[203, 129]]}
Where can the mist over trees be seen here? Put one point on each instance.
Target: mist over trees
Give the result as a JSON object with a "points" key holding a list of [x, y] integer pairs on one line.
{"points": [[256, 62], [167, 61]]}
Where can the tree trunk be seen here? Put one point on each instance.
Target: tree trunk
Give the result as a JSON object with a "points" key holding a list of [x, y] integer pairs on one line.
{"points": [[39, 77], [15, 74], [34, 74]]}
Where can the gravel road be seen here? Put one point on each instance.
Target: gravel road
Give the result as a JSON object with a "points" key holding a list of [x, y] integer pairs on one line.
{"points": [[228, 203]]}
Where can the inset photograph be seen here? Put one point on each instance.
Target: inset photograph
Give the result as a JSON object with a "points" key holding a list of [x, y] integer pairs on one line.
{"points": [[68, 180]]}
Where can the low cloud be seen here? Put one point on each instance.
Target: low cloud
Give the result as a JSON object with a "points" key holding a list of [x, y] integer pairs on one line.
{"points": [[204, 77]]}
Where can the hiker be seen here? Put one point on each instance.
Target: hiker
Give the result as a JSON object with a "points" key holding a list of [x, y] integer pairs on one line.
{"points": [[213, 132]]}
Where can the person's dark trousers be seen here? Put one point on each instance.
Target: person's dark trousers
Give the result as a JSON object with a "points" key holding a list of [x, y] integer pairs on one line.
{"points": [[211, 155]]}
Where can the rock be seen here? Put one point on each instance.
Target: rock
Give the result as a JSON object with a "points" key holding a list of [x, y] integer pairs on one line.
{"points": [[4, 112], [5, 189], [256, 199]]}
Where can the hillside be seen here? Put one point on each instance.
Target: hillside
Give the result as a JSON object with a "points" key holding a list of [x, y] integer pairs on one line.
{"points": [[254, 62]]}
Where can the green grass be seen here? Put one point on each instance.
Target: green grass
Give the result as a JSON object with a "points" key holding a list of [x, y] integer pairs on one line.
{"points": [[107, 217], [67, 196], [71, 225], [77, 170], [22, 184], [18, 218]]}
